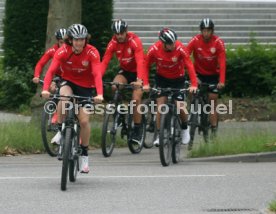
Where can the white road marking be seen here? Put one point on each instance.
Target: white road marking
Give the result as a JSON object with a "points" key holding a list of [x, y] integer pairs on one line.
{"points": [[112, 176]]}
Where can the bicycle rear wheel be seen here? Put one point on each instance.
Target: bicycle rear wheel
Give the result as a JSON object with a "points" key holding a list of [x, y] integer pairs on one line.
{"points": [[109, 134], [176, 140], [67, 145], [48, 130], [165, 147]]}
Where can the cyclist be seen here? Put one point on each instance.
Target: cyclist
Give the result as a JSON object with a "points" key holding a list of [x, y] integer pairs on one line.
{"points": [[80, 65], [209, 62], [170, 57], [129, 51], [49, 54]]}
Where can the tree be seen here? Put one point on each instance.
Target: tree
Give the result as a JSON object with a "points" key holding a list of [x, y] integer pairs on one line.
{"points": [[61, 14]]}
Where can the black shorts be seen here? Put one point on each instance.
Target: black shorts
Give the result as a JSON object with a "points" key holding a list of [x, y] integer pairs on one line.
{"points": [[209, 79], [162, 82], [79, 90], [130, 76]]}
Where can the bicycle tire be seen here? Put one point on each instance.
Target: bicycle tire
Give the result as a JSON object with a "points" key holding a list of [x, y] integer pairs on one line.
{"points": [[193, 122], [136, 148], [165, 144], [176, 140], [108, 134], [48, 131], [66, 155], [150, 123], [74, 160]]}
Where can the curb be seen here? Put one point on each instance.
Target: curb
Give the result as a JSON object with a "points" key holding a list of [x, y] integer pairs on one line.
{"points": [[256, 157]]}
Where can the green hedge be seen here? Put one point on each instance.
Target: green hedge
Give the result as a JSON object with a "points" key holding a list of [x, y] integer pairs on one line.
{"points": [[25, 26], [251, 70]]}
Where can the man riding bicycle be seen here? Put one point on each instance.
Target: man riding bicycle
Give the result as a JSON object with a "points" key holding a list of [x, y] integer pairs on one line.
{"points": [[128, 49], [209, 62], [81, 72], [170, 57], [48, 55]]}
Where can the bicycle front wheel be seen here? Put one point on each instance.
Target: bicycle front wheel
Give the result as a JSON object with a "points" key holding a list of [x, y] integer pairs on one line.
{"points": [[74, 159], [176, 140], [67, 145], [165, 147], [108, 134], [48, 130], [193, 122]]}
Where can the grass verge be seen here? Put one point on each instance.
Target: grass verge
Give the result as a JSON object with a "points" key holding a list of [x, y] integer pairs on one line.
{"points": [[236, 144], [272, 206], [25, 138]]}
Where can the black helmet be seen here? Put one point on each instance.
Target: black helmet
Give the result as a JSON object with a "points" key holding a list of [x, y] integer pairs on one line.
{"points": [[77, 31], [167, 36], [119, 26], [207, 23], [60, 33]]}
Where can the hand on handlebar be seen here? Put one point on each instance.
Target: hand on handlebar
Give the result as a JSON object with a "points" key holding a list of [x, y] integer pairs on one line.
{"points": [[36, 80], [146, 88], [45, 94], [220, 85], [98, 99], [192, 89]]}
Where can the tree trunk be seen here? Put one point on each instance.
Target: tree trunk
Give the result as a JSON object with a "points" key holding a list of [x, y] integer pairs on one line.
{"points": [[61, 14]]}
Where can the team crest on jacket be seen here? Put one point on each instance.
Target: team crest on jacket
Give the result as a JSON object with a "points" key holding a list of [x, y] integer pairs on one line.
{"points": [[213, 50], [174, 59], [129, 50], [85, 63]]}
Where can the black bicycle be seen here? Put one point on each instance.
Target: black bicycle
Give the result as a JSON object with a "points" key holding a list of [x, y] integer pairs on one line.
{"points": [[199, 113], [69, 147], [117, 117], [170, 128], [49, 126]]}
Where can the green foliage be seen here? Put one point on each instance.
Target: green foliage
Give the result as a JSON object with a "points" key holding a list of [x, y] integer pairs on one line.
{"points": [[272, 206], [25, 26], [97, 17], [251, 70]]}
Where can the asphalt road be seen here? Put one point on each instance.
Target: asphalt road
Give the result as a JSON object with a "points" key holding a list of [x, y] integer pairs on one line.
{"points": [[126, 183]]}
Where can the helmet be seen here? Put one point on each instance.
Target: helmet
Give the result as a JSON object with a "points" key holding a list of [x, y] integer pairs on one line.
{"points": [[60, 33], [119, 26], [206, 23], [77, 31], [167, 36]]}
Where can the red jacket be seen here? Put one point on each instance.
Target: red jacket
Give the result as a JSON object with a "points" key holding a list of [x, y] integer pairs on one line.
{"points": [[170, 64], [130, 54], [49, 54], [82, 69], [209, 58]]}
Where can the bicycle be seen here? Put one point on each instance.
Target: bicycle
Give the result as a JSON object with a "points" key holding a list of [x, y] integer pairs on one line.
{"points": [[170, 129], [69, 147], [49, 126], [114, 118], [199, 113]]}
